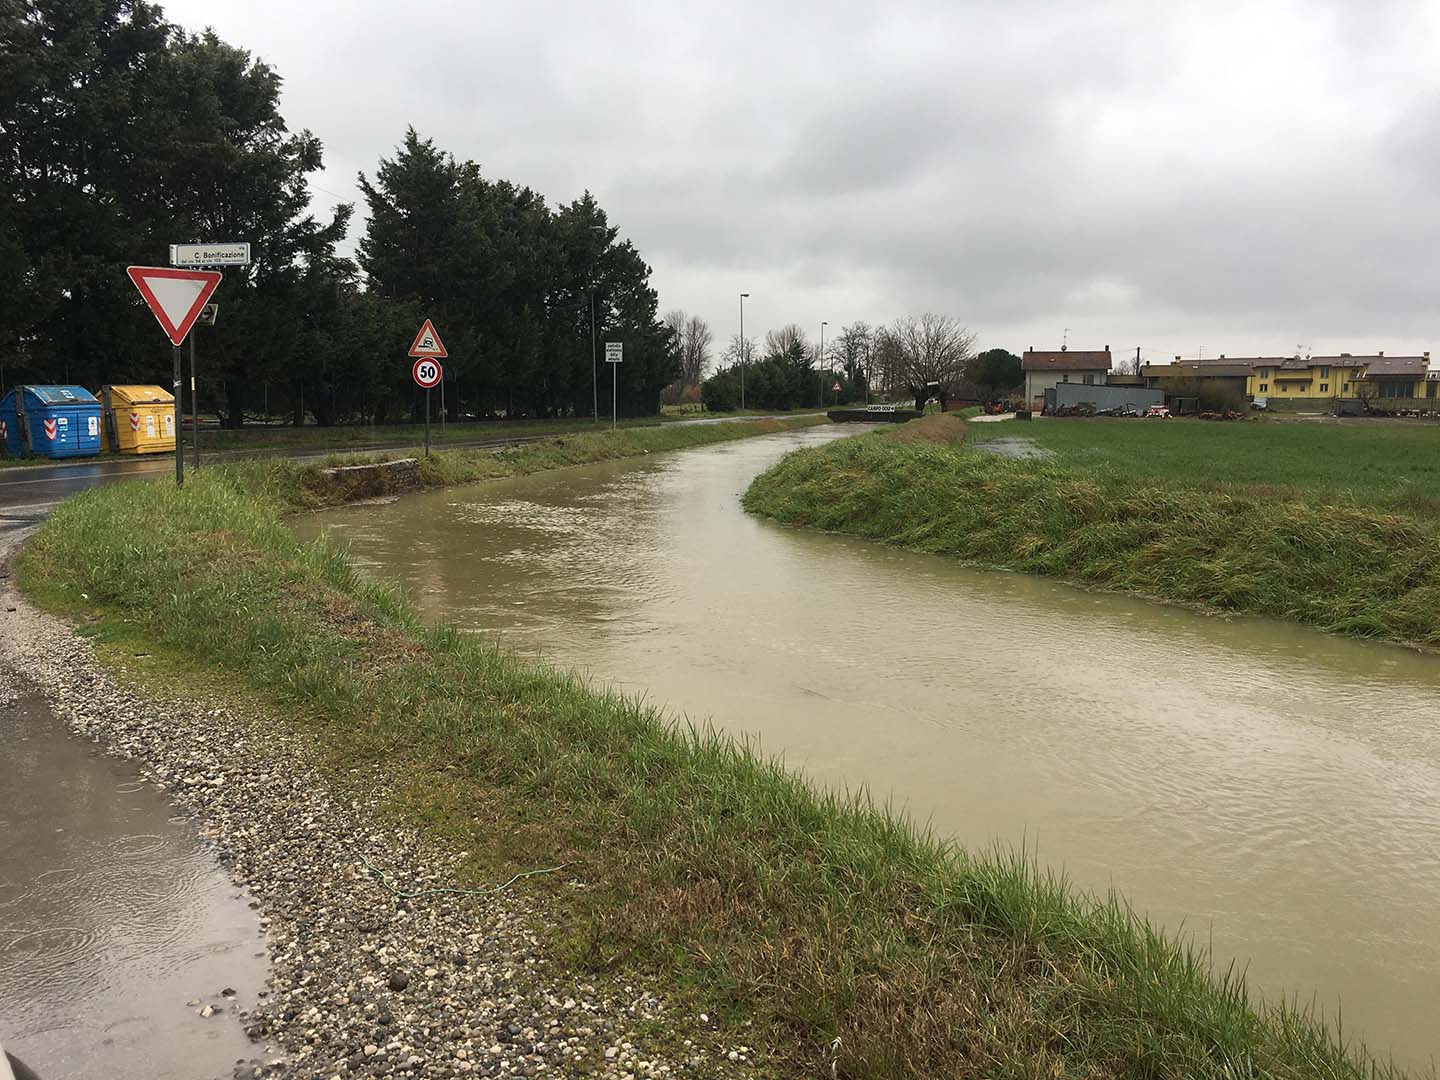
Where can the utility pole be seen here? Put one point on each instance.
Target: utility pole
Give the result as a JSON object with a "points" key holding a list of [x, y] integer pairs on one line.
{"points": [[1137, 359], [743, 350], [594, 363], [820, 370]]}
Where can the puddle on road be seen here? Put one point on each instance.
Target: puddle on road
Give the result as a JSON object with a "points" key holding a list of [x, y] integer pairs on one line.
{"points": [[113, 916]]}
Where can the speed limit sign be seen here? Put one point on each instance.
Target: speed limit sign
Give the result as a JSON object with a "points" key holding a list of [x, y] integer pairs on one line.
{"points": [[427, 372]]}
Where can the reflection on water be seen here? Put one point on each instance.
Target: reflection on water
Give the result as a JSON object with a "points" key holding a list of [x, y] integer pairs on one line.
{"points": [[1274, 789], [112, 918]]}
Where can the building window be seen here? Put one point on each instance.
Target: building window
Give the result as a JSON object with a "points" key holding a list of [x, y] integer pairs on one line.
{"points": [[1064, 378], [1347, 388], [1390, 389], [1324, 388], [1089, 380], [1264, 388], [1324, 374]]}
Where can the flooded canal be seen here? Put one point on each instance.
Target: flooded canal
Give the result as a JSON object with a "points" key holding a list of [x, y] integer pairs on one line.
{"points": [[116, 925], [1274, 790]]}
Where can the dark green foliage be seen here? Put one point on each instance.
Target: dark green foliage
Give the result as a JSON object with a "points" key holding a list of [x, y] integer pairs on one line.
{"points": [[995, 371], [510, 284], [123, 134], [786, 379]]}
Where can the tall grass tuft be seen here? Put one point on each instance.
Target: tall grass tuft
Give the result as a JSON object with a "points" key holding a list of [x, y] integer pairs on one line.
{"points": [[817, 915]]}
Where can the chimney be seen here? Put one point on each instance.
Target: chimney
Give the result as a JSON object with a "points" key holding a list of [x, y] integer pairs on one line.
{"points": [[1380, 353], [1107, 348], [1222, 356], [1062, 348]]}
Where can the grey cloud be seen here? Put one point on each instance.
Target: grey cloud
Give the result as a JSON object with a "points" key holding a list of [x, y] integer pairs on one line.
{"points": [[1245, 176]]}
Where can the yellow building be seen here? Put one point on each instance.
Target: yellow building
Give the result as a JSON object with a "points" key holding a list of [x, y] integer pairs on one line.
{"points": [[1305, 376], [1343, 376]]}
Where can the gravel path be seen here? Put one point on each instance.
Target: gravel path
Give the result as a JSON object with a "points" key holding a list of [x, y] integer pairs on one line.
{"points": [[364, 982]]}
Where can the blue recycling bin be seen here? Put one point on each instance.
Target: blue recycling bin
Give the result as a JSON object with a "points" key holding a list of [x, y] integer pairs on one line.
{"points": [[50, 422]]}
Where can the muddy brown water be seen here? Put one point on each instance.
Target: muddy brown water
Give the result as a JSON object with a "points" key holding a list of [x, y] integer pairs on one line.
{"points": [[1271, 790], [114, 917]]}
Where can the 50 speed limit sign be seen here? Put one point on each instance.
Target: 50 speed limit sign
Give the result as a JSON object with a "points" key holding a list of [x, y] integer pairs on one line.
{"points": [[427, 372]]}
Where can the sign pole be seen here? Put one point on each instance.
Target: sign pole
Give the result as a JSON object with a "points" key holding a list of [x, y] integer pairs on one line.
{"points": [[194, 404], [427, 422], [179, 425], [614, 380]]}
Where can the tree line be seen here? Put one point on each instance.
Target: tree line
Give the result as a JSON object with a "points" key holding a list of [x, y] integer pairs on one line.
{"points": [[121, 133]]}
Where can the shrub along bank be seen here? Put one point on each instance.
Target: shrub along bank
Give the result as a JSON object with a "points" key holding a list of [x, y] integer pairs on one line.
{"points": [[858, 946], [1342, 565]]}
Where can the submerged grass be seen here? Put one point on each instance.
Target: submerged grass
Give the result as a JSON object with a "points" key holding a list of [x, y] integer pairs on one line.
{"points": [[858, 945], [1313, 557]]}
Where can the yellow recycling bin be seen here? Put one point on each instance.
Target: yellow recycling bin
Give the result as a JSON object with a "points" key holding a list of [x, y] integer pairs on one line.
{"points": [[138, 419]]}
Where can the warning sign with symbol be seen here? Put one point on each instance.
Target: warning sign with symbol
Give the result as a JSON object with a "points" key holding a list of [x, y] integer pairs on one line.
{"points": [[428, 343]]}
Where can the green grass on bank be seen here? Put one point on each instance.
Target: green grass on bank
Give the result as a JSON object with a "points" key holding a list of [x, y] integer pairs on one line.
{"points": [[1343, 565], [819, 917], [1369, 460]]}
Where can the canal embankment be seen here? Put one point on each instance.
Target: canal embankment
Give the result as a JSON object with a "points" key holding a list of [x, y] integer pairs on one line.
{"points": [[849, 941], [1322, 557]]}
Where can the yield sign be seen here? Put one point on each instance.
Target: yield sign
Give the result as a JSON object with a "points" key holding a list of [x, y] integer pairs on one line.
{"points": [[428, 343], [175, 296]]}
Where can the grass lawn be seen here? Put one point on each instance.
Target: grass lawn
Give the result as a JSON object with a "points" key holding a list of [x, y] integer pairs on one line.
{"points": [[858, 945], [1368, 461]]}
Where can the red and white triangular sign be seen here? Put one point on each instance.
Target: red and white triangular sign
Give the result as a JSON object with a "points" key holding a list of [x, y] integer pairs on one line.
{"points": [[175, 296], [428, 343]]}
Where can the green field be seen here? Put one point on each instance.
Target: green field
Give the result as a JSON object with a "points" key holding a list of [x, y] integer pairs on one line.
{"points": [[1332, 526], [1381, 461], [855, 944]]}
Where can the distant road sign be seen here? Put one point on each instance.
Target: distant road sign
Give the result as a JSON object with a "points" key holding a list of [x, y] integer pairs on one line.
{"points": [[428, 343], [836, 387], [208, 314], [614, 352], [427, 372], [175, 296], [209, 254]]}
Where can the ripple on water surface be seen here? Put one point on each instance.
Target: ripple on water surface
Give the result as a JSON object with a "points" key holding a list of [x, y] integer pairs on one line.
{"points": [[112, 917]]}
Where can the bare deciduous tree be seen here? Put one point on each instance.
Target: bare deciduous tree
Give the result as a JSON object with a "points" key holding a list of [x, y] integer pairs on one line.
{"points": [[927, 356], [737, 351], [779, 342], [695, 342], [691, 339]]}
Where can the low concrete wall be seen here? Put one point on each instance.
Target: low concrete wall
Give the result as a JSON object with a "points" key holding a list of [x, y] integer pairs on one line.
{"points": [[899, 416], [380, 478]]}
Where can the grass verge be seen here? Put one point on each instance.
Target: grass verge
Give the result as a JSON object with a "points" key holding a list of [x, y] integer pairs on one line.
{"points": [[1346, 567], [859, 946]]}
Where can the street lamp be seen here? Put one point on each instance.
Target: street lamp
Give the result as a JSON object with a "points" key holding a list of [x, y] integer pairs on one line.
{"points": [[743, 295], [594, 365], [820, 370]]}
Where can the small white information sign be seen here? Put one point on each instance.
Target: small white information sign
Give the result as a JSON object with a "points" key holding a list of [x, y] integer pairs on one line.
{"points": [[210, 254], [614, 352]]}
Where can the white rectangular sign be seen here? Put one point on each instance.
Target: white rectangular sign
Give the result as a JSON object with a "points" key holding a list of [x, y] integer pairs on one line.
{"points": [[614, 352], [210, 254]]}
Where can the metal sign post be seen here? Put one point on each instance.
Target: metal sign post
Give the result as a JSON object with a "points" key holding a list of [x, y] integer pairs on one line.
{"points": [[614, 356], [176, 298], [179, 424], [427, 372]]}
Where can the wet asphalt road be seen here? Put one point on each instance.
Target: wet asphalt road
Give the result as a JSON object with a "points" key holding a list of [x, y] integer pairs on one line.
{"points": [[28, 493]]}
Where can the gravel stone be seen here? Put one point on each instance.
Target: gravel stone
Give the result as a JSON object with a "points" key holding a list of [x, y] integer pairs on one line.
{"points": [[341, 1003]]}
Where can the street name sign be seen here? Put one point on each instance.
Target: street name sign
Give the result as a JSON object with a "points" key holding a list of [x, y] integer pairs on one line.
{"points": [[614, 352], [428, 343], [209, 254], [427, 372], [175, 296]]}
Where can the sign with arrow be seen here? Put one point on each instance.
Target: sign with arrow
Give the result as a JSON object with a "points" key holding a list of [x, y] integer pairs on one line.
{"points": [[428, 343], [175, 296]]}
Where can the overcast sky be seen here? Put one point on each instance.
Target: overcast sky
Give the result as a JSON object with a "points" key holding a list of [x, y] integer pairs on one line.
{"points": [[1239, 176]]}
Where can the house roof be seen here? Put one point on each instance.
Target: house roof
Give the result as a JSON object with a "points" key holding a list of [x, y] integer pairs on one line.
{"points": [[1209, 369], [1065, 360], [1412, 366]]}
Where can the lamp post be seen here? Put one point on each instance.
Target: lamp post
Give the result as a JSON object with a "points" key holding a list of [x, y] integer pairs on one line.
{"points": [[820, 402], [594, 363], [743, 295]]}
